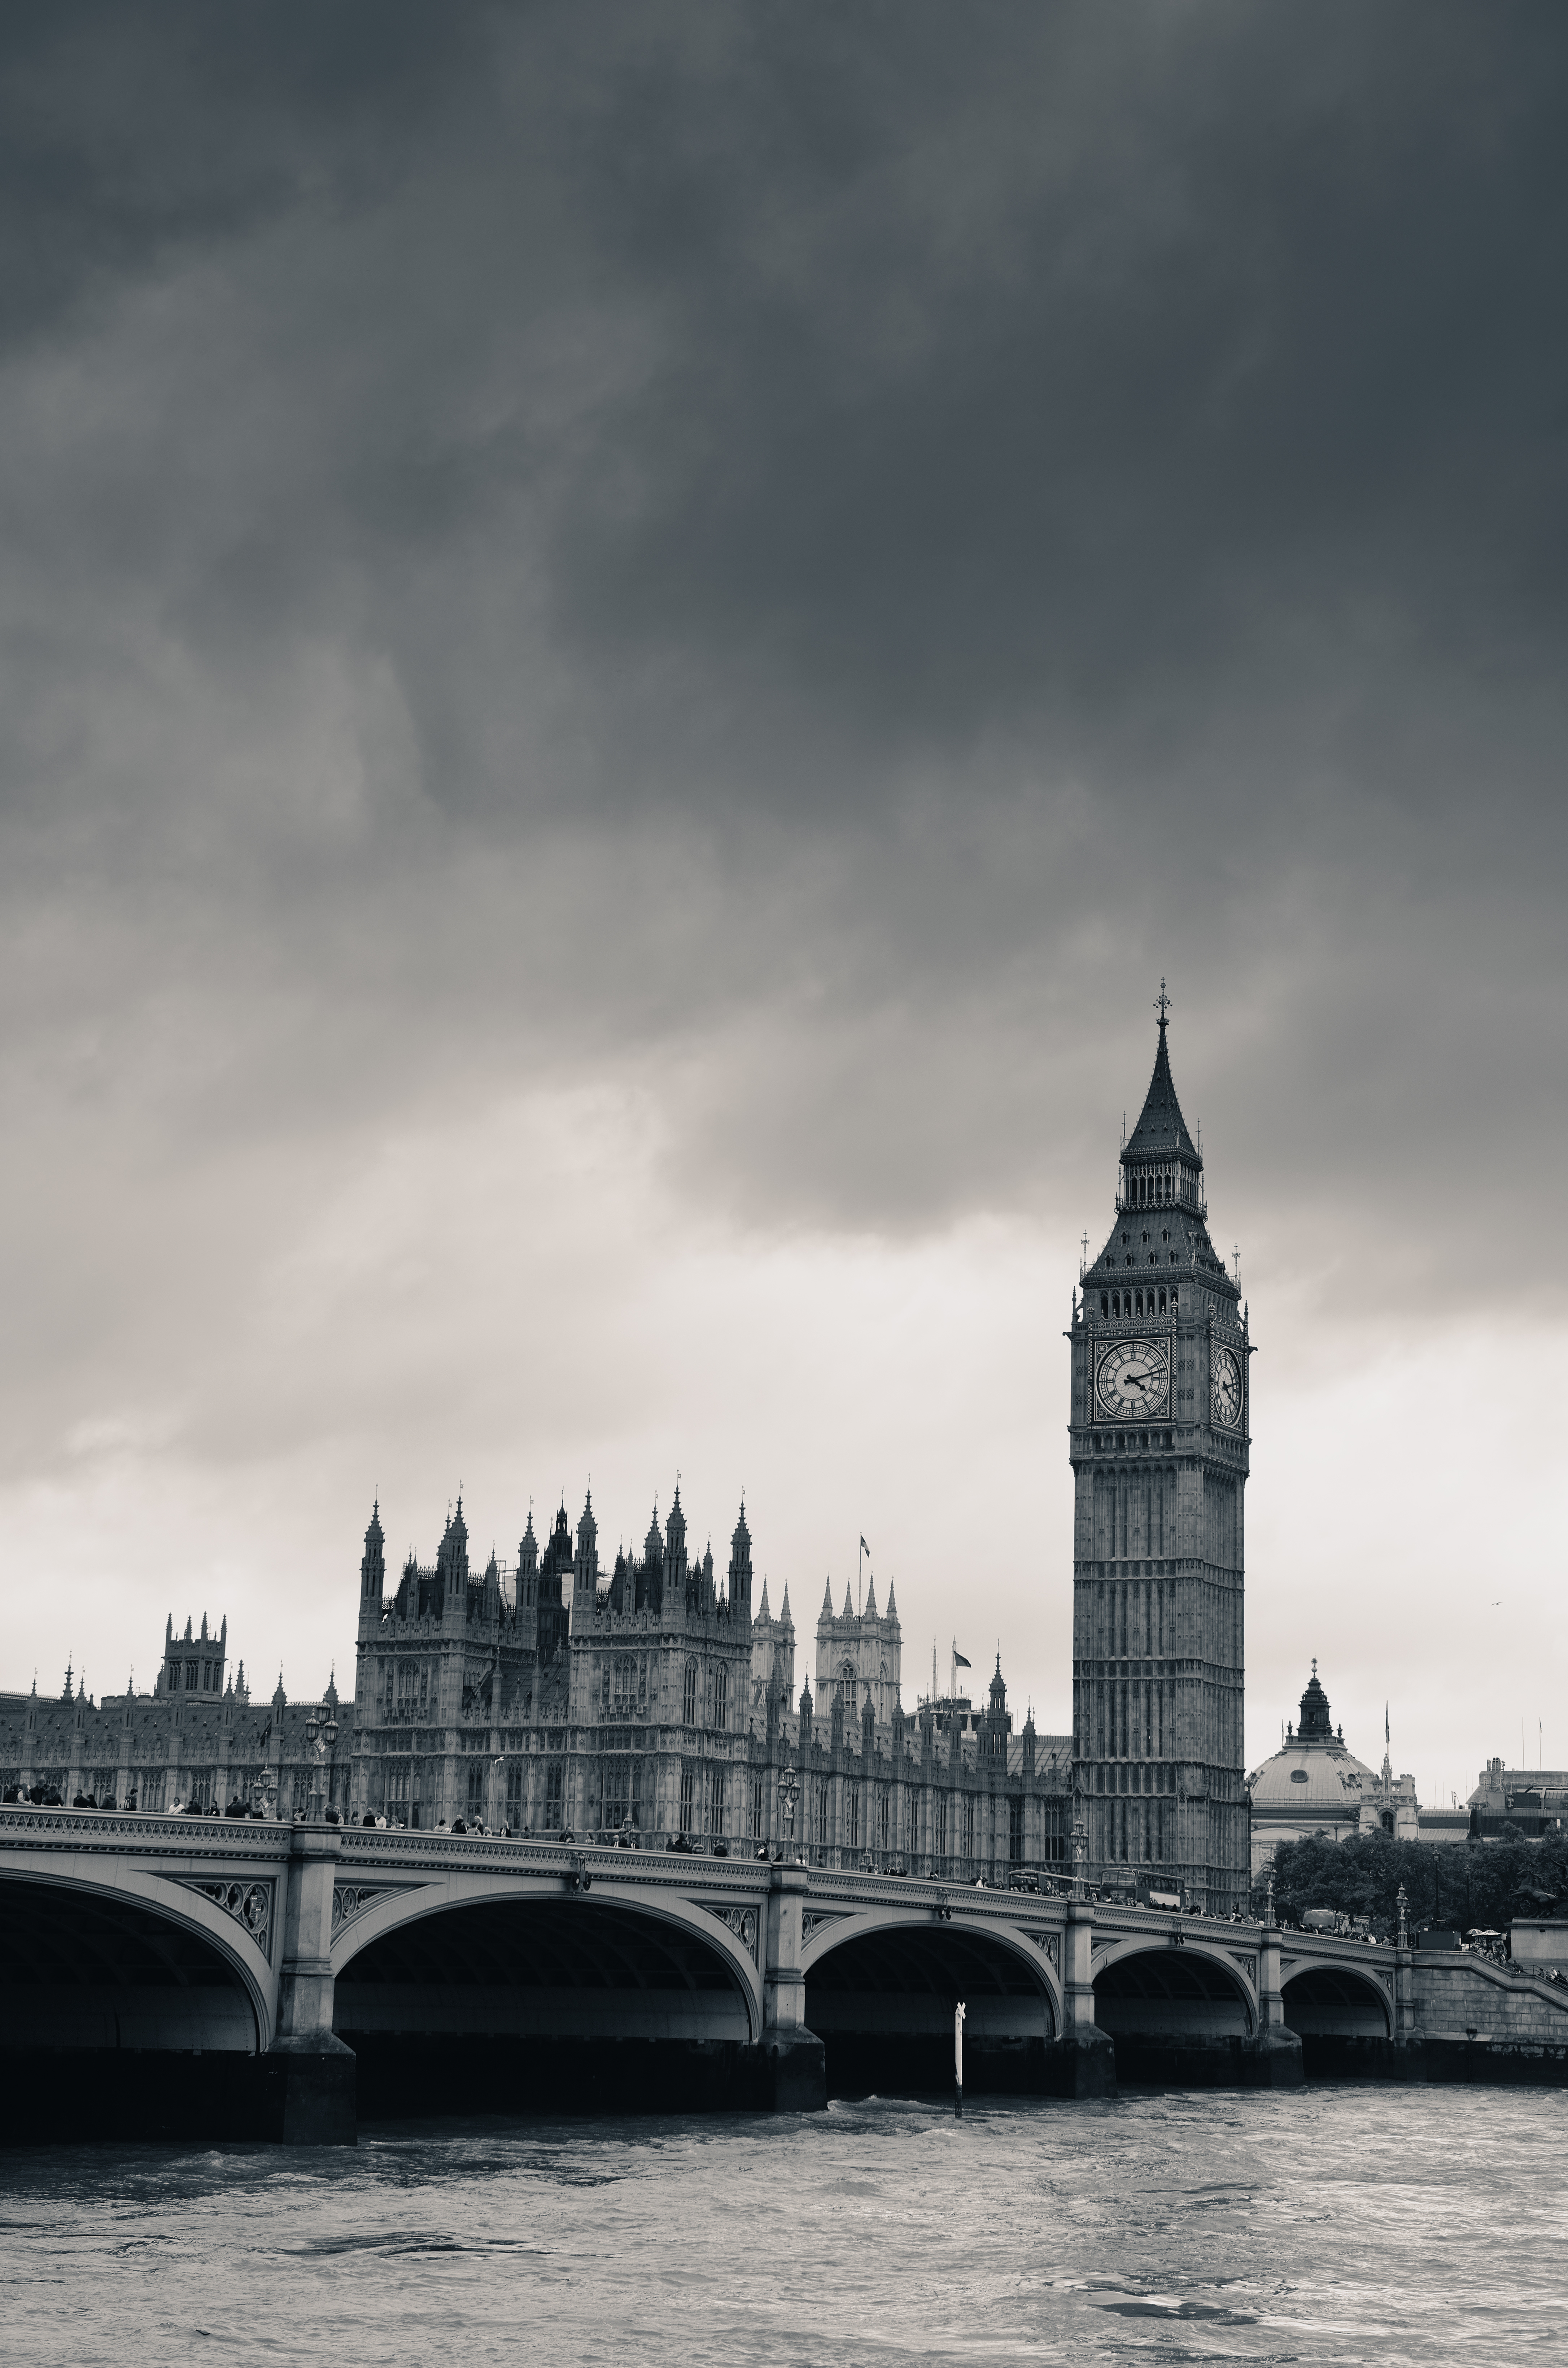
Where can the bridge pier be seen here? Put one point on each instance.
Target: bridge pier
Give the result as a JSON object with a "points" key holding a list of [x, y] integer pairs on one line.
{"points": [[1085, 2055], [794, 2062], [1276, 2048], [313, 2073]]}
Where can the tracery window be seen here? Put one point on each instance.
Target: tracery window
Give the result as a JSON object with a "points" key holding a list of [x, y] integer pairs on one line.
{"points": [[625, 1685], [719, 1699], [715, 1800], [689, 1696], [687, 1774]]}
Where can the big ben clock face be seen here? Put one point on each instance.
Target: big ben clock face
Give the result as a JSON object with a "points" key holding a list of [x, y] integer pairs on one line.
{"points": [[1227, 1389], [1132, 1378]]}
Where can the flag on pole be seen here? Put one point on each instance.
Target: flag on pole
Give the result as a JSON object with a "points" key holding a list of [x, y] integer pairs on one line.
{"points": [[959, 1660]]}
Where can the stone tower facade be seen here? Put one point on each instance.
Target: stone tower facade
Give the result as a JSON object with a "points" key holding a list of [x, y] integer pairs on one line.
{"points": [[858, 1654], [1159, 1433]]}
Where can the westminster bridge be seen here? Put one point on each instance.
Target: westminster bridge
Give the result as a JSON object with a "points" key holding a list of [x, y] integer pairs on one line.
{"points": [[178, 1976]]}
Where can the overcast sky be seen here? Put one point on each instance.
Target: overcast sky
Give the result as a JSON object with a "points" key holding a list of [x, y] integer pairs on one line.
{"points": [[631, 638]]}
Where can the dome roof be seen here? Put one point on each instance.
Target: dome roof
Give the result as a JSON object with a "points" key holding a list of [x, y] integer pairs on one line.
{"points": [[1311, 1780], [1314, 1776]]}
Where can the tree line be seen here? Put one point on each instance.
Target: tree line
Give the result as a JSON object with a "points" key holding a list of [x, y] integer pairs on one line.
{"points": [[1461, 1887]]}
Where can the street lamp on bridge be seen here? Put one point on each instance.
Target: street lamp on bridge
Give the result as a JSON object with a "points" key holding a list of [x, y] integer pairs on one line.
{"points": [[788, 1798], [321, 1734]]}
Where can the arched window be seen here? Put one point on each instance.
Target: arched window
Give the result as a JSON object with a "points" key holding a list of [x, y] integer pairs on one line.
{"points": [[1162, 1302], [689, 1696], [718, 1703], [1139, 1302], [1116, 1302], [1105, 1304]]}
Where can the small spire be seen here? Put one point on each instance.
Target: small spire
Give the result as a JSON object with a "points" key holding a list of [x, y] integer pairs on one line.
{"points": [[827, 1599]]}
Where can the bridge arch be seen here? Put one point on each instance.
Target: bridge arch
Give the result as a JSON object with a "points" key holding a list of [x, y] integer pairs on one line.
{"points": [[130, 1961], [1333, 2000], [366, 1916], [1160, 1998], [881, 1985], [486, 1990]]}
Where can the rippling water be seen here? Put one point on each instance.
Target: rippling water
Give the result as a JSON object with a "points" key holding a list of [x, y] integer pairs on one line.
{"points": [[1355, 2224]]}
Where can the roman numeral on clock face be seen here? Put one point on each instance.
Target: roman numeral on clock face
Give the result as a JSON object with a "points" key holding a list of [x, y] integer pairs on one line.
{"points": [[1134, 1379]]}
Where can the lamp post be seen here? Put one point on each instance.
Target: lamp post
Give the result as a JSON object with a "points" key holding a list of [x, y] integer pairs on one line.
{"points": [[1402, 1904], [789, 1797], [1080, 1848], [321, 1734]]}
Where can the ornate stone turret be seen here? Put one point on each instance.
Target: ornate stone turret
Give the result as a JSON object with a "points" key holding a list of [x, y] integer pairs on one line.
{"points": [[675, 1554], [740, 1569], [585, 1565], [772, 1651], [374, 1561]]}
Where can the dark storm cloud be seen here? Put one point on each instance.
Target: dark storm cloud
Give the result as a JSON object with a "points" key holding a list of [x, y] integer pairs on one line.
{"points": [[896, 526]]}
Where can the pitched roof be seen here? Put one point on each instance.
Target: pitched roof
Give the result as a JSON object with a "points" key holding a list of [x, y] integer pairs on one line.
{"points": [[1161, 1131]]}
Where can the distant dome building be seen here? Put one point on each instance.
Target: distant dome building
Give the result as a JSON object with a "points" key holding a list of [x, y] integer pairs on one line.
{"points": [[1315, 1786]]}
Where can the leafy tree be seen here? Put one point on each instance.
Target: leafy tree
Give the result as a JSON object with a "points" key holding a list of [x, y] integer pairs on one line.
{"points": [[1447, 1884]]}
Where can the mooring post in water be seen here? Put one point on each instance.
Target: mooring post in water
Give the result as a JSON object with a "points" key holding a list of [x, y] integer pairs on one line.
{"points": [[959, 2012]]}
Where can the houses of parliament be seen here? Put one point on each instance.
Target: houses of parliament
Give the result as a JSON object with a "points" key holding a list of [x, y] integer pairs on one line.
{"points": [[654, 1700]]}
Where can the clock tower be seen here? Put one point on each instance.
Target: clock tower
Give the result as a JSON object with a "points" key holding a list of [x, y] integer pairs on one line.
{"points": [[1160, 1408]]}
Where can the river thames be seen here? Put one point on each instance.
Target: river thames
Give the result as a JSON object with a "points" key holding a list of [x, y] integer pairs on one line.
{"points": [[1345, 2224]]}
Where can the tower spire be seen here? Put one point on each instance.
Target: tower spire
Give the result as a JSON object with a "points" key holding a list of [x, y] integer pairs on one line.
{"points": [[1161, 1131]]}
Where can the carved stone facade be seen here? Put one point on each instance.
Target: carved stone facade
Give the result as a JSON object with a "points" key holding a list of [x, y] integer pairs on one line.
{"points": [[1160, 1451], [177, 1748], [555, 1699]]}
